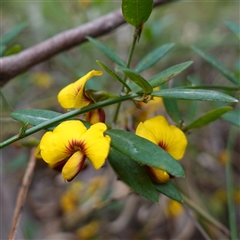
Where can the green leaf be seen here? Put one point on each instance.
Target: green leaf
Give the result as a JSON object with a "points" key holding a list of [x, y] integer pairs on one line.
{"points": [[207, 118], [139, 80], [144, 151], [233, 117], [13, 50], [165, 75], [217, 65], [136, 12], [132, 174], [168, 74], [172, 108], [151, 58], [113, 74], [13, 33], [194, 94], [35, 117], [235, 28], [2, 49], [107, 51], [169, 190]]}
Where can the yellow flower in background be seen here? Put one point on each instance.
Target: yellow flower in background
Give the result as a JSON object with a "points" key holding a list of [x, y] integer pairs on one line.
{"points": [[68, 145], [88, 231], [168, 137], [73, 95], [95, 116], [173, 209]]}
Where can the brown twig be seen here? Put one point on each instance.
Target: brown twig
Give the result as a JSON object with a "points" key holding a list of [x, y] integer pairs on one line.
{"points": [[12, 66], [22, 195]]}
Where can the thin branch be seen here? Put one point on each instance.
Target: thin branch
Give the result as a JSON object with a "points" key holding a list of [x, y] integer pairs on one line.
{"points": [[22, 195], [12, 66]]}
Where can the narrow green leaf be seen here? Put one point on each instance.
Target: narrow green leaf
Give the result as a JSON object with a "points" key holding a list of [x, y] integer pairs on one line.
{"points": [[35, 117], [144, 151], [234, 27], [113, 74], [151, 58], [139, 80], [172, 108], [165, 76], [232, 117], [169, 190], [2, 49], [217, 65], [131, 173], [194, 94], [207, 118], [136, 12], [13, 33], [107, 51], [13, 50], [168, 74]]}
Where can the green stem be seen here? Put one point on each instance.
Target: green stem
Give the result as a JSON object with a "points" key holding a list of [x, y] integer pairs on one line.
{"points": [[205, 215], [229, 183], [66, 116], [135, 38]]}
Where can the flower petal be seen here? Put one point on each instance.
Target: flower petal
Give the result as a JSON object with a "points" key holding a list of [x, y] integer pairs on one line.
{"points": [[62, 142], [95, 145], [73, 96], [159, 175], [73, 166], [170, 138]]}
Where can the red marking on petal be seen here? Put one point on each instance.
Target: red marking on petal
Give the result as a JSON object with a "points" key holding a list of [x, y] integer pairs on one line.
{"points": [[77, 91], [59, 165], [162, 145], [73, 146]]}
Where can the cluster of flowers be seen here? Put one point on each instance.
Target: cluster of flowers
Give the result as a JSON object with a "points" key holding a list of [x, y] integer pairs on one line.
{"points": [[68, 146]]}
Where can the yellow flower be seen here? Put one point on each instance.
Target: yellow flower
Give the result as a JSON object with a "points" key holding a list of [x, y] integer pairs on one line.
{"points": [[73, 95], [168, 137], [95, 116], [67, 147]]}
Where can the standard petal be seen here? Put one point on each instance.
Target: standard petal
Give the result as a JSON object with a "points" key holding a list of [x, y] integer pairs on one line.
{"points": [[159, 175], [95, 145], [73, 166], [170, 138], [73, 96], [62, 142], [178, 144]]}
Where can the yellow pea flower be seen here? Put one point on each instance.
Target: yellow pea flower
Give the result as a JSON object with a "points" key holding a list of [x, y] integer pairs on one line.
{"points": [[168, 137], [68, 145], [73, 95]]}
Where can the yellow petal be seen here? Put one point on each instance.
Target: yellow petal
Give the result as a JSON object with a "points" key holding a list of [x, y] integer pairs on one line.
{"points": [[96, 145], [170, 138], [159, 175], [62, 142], [95, 116], [73, 96], [73, 166]]}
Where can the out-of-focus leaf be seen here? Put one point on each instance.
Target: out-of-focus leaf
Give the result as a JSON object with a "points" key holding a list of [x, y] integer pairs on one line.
{"points": [[217, 65], [113, 74], [234, 27], [13, 50], [151, 58], [37, 116], [233, 117], [139, 80], [194, 94], [13, 33], [136, 12], [2, 49], [107, 51], [207, 118], [172, 108], [168, 74], [132, 174], [169, 190], [144, 151]]}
